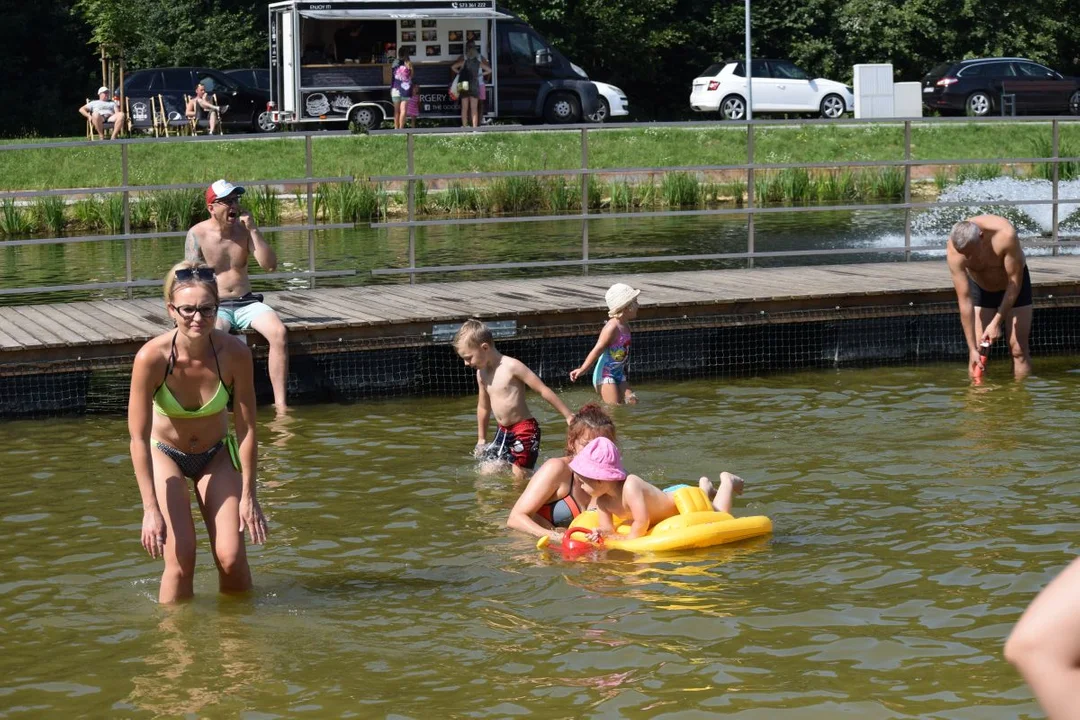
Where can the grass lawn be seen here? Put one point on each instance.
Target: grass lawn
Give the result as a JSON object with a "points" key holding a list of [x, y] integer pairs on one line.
{"points": [[282, 157]]}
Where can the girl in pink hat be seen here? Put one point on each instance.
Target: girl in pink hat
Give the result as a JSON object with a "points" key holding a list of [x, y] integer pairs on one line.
{"points": [[612, 351], [615, 492]]}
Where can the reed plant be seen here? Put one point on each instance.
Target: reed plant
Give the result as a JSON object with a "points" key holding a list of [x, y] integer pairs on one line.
{"points": [[50, 213], [461, 199], [623, 197], [87, 214], [942, 179], [1068, 170], [515, 194], [836, 186], [987, 171], [142, 214], [735, 190], [420, 197], [594, 191], [648, 195], [795, 185], [681, 189], [352, 202], [176, 209], [111, 211], [15, 221], [560, 196], [265, 205]]}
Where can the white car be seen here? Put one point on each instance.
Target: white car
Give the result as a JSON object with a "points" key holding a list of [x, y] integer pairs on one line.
{"points": [[780, 86], [613, 103]]}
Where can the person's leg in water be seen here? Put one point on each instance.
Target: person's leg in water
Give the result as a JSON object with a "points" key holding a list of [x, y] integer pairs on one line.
{"points": [[219, 493], [722, 497], [1019, 332], [1045, 645], [609, 393], [269, 325], [174, 500], [626, 395]]}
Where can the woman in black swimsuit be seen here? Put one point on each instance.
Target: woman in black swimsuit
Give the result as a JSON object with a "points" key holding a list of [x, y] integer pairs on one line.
{"points": [[554, 496]]}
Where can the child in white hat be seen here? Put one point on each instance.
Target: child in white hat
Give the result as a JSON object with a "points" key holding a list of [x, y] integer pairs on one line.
{"points": [[613, 348]]}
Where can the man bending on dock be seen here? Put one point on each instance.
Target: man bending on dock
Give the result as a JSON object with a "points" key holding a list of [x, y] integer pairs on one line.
{"points": [[993, 287], [225, 242]]}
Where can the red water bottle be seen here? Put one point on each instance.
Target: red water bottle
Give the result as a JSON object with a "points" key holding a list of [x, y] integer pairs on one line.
{"points": [[984, 357]]}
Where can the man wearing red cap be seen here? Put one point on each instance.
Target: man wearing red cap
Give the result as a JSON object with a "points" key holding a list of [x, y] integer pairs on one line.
{"points": [[225, 242]]}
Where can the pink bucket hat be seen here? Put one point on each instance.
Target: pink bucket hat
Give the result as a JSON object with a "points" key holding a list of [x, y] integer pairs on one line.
{"points": [[599, 460]]}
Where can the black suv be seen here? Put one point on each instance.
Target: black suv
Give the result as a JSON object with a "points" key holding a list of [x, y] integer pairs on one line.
{"points": [[247, 105], [976, 87]]}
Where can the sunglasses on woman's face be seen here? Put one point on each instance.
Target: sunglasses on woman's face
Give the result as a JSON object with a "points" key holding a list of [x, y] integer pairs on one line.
{"points": [[188, 311], [204, 274]]}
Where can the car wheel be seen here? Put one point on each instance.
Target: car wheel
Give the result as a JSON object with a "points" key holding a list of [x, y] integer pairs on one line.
{"points": [[832, 107], [979, 104], [366, 116], [1074, 103], [733, 107], [562, 109], [603, 112], [264, 122]]}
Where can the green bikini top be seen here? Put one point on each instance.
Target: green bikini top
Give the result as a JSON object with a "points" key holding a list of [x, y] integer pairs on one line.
{"points": [[165, 403]]}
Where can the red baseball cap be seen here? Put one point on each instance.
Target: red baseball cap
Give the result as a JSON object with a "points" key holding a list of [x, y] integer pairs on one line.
{"points": [[222, 189]]}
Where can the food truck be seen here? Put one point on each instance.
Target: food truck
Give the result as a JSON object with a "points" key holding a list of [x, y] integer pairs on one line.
{"points": [[333, 62]]}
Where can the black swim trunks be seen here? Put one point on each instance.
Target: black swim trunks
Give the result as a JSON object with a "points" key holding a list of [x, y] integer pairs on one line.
{"points": [[986, 299]]}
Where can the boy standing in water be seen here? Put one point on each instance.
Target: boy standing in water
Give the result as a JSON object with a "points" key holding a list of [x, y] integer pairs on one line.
{"points": [[502, 381]]}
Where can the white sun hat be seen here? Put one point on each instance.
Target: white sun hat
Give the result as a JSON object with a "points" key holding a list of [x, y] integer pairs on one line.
{"points": [[618, 297]]}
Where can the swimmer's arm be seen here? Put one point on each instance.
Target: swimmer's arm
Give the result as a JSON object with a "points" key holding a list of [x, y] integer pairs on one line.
{"points": [[605, 339], [483, 412], [605, 525], [635, 502], [140, 421], [537, 385], [244, 415], [963, 296], [192, 251], [541, 487]]}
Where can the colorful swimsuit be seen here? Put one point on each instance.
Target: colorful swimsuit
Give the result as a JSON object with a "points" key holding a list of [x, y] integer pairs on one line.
{"points": [[561, 512], [518, 444], [611, 367], [194, 465]]}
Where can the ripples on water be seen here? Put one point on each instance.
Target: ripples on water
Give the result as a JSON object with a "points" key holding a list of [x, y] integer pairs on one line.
{"points": [[915, 517]]}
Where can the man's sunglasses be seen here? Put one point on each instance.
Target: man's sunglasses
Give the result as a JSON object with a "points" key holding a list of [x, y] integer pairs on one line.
{"points": [[188, 311], [231, 200], [203, 274]]}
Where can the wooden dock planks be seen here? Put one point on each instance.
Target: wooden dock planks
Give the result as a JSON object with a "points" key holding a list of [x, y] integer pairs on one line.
{"points": [[66, 327]]}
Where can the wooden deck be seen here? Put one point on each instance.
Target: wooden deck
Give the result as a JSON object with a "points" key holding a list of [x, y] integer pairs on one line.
{"points": [[110, 328]]}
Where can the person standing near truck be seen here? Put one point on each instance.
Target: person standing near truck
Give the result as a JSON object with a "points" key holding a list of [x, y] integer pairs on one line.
{"points": [[471, 69]]}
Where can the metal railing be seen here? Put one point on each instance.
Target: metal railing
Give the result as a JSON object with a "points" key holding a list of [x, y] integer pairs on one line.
{"points": [[126, 189], [751, 209]]}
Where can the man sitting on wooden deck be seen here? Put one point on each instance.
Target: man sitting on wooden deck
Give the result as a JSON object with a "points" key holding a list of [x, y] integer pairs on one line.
{"points": [[225, 242]]}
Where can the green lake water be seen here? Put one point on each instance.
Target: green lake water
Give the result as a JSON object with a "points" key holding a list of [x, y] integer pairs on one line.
{"points": [[915, 517]]}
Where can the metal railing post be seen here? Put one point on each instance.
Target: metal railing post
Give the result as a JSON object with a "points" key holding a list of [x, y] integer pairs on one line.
{"points": [[309, 174], [1055, 152], [409, 166], [585, 177], [907, 190], [127, 217], [750, 193]]}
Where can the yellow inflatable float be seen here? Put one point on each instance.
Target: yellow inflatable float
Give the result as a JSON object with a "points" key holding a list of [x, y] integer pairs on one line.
{"points": [[696, 526]]}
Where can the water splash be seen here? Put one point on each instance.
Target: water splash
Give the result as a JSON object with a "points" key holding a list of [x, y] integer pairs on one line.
{"points": [[984, 196]]}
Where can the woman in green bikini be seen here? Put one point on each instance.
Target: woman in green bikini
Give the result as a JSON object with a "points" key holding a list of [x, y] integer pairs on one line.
{"points": [[195, 366]]}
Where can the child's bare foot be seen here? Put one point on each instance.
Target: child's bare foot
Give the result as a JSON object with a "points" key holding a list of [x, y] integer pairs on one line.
{"points": [[730, 486], [707, 487]]}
